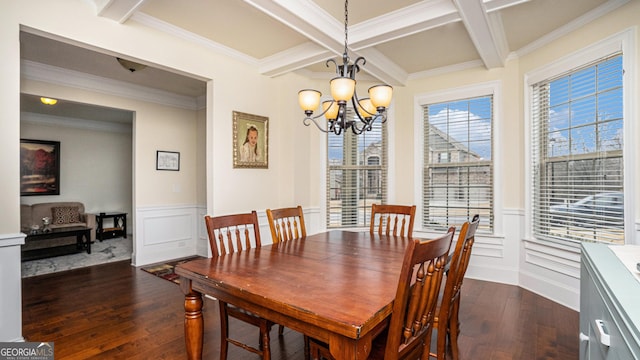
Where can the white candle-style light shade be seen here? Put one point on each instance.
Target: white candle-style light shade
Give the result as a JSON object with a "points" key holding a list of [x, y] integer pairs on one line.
{"points": [[342, 88], [333, 107], [366, 108], [381, 95], [309, 99]]}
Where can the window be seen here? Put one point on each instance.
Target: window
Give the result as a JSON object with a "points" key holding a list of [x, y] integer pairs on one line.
{"points": [[356, 175], [577, 154], [458, 167]]}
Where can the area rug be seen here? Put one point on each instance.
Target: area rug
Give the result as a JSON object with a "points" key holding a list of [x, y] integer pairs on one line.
{"points": [[166, 270], [106, 251]]}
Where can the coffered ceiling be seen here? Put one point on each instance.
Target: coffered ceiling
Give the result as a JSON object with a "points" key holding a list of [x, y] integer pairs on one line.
{"points": [[401, 39]]}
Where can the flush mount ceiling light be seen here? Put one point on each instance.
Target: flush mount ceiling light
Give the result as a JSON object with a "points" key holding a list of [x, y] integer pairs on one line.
{"points": [[343, 88], [131, 65], [48, 101]]}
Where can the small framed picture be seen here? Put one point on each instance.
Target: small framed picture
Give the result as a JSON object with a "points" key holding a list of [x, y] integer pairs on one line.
{"points": [[167, 160], [250, 141]]}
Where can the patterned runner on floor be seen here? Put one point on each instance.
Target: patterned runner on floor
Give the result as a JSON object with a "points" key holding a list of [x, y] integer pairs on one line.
{"points": [[165, 270]]}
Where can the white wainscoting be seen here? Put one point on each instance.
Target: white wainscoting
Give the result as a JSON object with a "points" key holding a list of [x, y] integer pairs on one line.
{"points": [[548, 269], [11, 285], [165, 232], [494, 257], [551, 270], [202, 247]]}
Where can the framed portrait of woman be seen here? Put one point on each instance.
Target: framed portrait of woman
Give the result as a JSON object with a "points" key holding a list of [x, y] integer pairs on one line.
{"points": [[250, 141]]}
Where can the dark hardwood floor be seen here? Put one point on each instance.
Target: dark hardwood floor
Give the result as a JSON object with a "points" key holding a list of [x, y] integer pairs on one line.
{"points": [[115, 311]]}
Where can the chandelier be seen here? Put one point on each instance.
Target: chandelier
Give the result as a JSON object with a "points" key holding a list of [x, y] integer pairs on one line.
{"points": [[343, 89]]}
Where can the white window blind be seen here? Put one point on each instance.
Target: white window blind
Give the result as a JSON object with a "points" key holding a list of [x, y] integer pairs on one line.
{"points": [[356, 175], [458, 165], [577, 159]]}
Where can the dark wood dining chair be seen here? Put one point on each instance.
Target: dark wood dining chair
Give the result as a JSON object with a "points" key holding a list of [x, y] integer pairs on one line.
{"points": [[229, 234], [447, 322], [392, 220], [408, 335], [286, 224]]}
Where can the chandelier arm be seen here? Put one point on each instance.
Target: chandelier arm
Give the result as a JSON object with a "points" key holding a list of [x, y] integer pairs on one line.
{"points": [[356, 67], [356, 105], [306, 123], [321, 114], [358, 131], [335, 64], [336, 129]]}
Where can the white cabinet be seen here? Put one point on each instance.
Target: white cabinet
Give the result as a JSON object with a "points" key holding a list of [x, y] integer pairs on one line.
{"points": [[609, 306]]}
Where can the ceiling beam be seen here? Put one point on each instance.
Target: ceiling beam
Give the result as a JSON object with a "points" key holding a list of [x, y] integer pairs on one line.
{"points": [[118, 10], [494, 5], [403, 22], [307, 18], [380, 67], [486, 32]]}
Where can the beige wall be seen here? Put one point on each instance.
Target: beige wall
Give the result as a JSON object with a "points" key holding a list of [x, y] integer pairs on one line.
{"points": [[201, 157]]}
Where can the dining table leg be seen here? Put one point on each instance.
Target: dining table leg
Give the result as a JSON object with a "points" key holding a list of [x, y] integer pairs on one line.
{"points": [[342, 347], [193, 321]]}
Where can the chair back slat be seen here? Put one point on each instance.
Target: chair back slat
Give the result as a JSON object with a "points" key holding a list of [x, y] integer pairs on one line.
{"points": [[416, 299], [286, 224], [233, 233], [396, 220]]}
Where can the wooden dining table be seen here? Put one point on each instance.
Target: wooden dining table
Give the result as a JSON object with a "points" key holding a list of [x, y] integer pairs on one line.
{"points": [[337, 287]]}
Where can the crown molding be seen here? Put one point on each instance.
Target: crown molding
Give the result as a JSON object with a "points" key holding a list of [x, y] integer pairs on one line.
{"points": [[446, 69], [293, 59], [84, 124], [79, 80], [576, 24], [178, 32]]}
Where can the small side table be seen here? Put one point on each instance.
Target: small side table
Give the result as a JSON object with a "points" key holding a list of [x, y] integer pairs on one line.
{"points": [[118, 229]]}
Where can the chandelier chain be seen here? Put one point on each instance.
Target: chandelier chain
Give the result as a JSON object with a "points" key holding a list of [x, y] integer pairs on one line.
{"points": [[346, 21]]}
